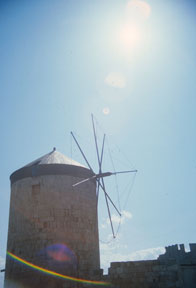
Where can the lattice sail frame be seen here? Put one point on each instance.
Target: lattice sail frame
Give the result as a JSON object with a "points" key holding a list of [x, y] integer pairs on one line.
{"points": [[99, 177]]}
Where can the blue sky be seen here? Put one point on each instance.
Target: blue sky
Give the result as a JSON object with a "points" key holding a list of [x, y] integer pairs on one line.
{"points": [[132, 64]]}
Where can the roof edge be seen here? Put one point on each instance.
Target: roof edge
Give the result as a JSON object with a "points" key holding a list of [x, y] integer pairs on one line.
{"points": [[50, 169]]}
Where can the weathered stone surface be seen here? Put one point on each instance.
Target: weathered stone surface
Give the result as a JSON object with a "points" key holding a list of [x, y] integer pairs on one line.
{"points": [[47, 210], [175, 269]]}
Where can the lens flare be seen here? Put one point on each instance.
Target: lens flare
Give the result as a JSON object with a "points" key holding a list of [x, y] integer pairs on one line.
{"points": [[46, 271], [60, 253], [106, 111], [59, 256]]}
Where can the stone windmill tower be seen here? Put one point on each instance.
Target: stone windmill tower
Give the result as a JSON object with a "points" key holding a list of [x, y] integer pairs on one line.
{"points": [[52, 224]]}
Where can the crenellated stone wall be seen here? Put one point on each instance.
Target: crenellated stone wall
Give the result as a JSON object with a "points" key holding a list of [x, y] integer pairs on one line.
{"points": [[174, 269]]}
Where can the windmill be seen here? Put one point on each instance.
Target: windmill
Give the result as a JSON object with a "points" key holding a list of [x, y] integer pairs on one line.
{"points": [[99, 177]]}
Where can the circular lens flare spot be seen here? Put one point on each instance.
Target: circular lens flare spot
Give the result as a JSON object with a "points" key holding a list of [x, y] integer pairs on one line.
{"points": [[60, 253], [106, 111]]}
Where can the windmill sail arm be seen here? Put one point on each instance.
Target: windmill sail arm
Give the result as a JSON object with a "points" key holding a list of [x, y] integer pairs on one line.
{"points": [[101, 175], [82, 152], [100, 164], [102, 152], [83, 181], [120, 172], [96, 145], [106, 174], [103, 188], [109, 214]]}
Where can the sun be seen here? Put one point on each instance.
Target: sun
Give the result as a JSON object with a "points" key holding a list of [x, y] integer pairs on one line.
{"points": [[131, 33], [130, 36]]}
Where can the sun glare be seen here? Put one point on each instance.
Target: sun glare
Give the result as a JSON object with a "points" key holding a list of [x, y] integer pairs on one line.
{"points": [[130, 36]]}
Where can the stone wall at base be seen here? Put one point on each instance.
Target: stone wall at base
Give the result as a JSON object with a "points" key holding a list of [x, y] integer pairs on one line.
{"points": [[174, 269], [145, 274]]}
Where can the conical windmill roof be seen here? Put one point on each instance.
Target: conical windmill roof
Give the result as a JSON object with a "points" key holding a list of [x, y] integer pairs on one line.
{"points": [[52, 163], [54, 157]]}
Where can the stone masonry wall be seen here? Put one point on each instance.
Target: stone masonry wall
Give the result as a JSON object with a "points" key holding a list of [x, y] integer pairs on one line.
{"points": [[174, 269], [53, 226], [145, 274]]}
